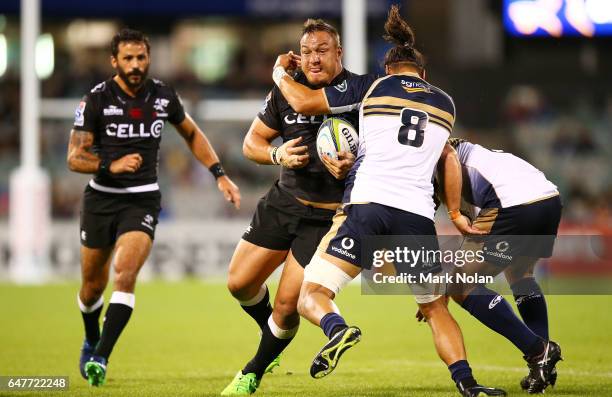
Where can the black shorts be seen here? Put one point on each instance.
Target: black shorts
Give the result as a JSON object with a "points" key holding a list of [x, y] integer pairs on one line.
{"points": [[354, 222], [527, 230], [281, 222], [106, 216]]}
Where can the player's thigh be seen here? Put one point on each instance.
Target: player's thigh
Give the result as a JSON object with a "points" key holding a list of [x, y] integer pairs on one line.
{"points": [[131, 251], [250, 267], [95, 264]]}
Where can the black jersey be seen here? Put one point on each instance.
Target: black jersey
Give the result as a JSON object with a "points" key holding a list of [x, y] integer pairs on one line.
{"points": [[313, 182], [122, 124]]}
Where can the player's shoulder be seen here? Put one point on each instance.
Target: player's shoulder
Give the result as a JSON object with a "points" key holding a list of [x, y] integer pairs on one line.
{"points": [[441, 99], [161, 86], [99, 89]]}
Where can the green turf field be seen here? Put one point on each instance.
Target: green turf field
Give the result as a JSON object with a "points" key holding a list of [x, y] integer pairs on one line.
{"points": [[190, 338]]}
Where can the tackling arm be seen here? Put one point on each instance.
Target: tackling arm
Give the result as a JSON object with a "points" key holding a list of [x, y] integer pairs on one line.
{"points": [[449, 170], [302, 99]]}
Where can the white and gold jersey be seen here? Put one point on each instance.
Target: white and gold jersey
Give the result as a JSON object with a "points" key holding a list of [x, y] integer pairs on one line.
{"points": [[496, 179], [404, 125]]}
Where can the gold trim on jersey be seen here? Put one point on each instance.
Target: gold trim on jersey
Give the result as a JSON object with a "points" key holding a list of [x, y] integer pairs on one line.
{"points": [[417, 89], [390, 110], [393, 101]]}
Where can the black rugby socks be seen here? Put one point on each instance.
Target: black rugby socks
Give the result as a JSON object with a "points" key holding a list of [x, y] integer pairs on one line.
{"points": [[91, 319], [259, 307], [117, 316], [531, 304], [273, 341]]}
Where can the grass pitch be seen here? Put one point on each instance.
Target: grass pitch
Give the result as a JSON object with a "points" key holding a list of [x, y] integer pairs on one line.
{"points": [[189, 339]]}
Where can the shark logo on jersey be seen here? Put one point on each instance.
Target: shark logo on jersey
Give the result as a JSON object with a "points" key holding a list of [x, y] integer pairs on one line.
{"points": [[160, 106], [267, 101], [342, 87], [148, 222], [79, 114]]}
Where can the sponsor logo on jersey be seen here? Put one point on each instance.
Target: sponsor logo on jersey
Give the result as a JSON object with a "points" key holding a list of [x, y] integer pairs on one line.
{"points": [[79, 114], [343, 252], [126, 130], [495, 301], [415, 86], [342, 86], [296, 118], [347, 243], [113, 110]]}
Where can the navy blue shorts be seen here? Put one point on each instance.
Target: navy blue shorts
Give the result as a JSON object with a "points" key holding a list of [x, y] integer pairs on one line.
{"points": [[527, 230], [354, 222]]}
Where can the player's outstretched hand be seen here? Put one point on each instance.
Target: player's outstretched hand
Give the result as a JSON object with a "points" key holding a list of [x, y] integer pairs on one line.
{"points": [[128, 163], [340, 167], [289, 61], [464, 225], [230, 190], [292, 156]]}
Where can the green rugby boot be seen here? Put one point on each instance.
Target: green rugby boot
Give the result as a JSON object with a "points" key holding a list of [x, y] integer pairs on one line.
{"points": [[242, 385]]}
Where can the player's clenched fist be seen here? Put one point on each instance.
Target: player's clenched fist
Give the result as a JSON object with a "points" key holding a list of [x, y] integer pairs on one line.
{"points": [[291, 156], [128, 163]]}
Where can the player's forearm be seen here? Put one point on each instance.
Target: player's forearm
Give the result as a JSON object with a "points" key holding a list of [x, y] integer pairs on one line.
{"points": [[451, 179], [301, 98], [202, 149], [83, 162]]}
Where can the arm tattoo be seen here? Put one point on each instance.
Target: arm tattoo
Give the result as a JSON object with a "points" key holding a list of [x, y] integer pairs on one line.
{"points": [[80, 159]]}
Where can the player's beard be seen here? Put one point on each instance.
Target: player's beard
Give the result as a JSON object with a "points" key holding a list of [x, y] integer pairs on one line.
{"points": [[126, 77]]}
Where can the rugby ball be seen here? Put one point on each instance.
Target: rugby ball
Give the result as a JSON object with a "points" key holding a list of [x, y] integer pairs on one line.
{"points": [[336, 135]]}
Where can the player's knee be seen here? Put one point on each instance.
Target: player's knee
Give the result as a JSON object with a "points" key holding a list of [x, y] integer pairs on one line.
{"points": [[241, 290], [125, 279], [286, 319], [91, 291], [286, 307], [306, 302], [431, 308]]}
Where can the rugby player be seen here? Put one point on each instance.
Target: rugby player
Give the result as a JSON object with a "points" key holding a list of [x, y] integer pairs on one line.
{"points": [[520, 210], [404, 125], [295, 214], [116, 135]]}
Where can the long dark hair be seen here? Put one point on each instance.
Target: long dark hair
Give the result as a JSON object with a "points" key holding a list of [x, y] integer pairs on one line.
{"points": [[398, 32]]}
